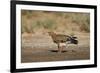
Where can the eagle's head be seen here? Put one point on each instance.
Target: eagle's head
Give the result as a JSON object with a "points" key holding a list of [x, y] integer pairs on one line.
{"points": [[51, 33]]}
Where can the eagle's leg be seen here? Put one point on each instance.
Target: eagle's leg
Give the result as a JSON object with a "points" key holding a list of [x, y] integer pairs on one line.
{"points": [[59, 48]]}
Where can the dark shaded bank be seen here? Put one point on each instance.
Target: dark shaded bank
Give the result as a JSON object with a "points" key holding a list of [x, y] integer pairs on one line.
{"points": [[44, 55]]}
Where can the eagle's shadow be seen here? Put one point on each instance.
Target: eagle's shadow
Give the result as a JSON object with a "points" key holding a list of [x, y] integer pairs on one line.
{"points": [[58, 51]]}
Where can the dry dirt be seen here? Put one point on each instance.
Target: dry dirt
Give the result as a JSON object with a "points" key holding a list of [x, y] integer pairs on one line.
{"points": [[40, 48]]}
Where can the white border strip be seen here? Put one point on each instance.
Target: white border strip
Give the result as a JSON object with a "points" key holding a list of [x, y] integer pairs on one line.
{"points": [[58, 63]]}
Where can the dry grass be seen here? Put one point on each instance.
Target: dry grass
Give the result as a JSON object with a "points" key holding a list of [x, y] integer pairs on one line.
{"points": [[36, 21]]}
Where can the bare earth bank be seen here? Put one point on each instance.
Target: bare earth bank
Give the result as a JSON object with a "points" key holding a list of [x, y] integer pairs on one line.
{"points": [[40, 48]]}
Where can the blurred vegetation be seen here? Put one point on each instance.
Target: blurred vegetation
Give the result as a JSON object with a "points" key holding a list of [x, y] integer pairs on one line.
{"points": [[32, 21]]}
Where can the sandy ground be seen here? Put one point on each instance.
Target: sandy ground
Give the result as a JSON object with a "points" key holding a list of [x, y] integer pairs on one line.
{"points": [[40, 48]]}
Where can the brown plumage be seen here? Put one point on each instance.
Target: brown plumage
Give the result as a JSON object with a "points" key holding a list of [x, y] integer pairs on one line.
{"points": [[61, 40], [58, 38]]}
